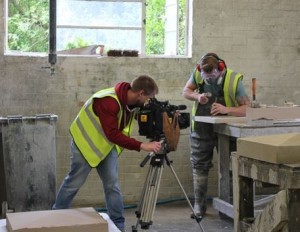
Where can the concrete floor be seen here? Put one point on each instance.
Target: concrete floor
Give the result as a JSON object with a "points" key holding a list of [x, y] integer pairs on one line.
{"points": [[175, 217]]}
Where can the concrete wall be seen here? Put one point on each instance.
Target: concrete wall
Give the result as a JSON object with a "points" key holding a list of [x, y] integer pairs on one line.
{"points": [[259, 38]]}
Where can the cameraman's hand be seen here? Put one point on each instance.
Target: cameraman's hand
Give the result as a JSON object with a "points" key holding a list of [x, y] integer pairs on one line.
{"points": [[202, 98], [153, 146]]}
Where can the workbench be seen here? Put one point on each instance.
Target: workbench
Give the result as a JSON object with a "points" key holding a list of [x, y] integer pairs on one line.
{"points": [[282, 213], [225, 127]]}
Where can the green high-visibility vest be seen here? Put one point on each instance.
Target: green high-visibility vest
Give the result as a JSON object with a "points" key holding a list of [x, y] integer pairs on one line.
{"points": [[229, 88], [88, 133]]}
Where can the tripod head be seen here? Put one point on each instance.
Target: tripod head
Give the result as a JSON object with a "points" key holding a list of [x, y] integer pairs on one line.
{"points": [[163, 151]]}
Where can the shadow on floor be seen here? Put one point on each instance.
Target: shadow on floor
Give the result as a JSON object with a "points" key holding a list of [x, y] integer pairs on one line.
{"points": [[175, 217]]}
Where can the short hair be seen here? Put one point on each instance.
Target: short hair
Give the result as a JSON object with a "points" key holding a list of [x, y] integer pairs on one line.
{"points": [[208, 63], [145, 83]]}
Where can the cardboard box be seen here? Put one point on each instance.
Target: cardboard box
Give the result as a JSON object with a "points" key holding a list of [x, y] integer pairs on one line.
{"points": [[64, 220], [275, 113], [279, 148]]}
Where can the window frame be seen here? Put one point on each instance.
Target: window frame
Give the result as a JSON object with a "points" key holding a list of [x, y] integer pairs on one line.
{"points": [[142, 28]]}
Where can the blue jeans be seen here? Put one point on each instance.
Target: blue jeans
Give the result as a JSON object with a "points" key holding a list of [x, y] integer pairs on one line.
{"points": [[108, 172]]}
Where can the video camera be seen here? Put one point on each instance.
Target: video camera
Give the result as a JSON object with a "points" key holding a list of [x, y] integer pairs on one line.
{"points": [[150, 118]]}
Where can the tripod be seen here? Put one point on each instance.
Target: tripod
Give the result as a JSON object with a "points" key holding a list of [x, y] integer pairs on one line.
{"points": [[147, 203]]}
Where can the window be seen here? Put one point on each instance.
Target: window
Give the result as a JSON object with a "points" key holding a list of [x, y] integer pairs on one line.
{"points": [[152, 27], [27, 24]]}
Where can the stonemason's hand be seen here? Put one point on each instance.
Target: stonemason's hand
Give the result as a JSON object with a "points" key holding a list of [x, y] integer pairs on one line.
{"points": [[153, 146], [202, 98], [217, 108]]}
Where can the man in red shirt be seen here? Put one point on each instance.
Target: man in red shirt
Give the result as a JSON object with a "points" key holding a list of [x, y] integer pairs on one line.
{"points": [[99, 133]]}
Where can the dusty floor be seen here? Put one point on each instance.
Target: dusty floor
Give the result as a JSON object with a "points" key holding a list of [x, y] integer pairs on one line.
{"points": [[175, 217]]}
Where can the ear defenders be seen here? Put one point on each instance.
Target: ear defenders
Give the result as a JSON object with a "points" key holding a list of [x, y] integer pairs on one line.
{"points": [[221, 63]]}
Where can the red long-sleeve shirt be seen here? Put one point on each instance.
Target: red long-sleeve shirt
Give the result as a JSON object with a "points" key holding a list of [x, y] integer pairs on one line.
{"points": [[107, 110]]}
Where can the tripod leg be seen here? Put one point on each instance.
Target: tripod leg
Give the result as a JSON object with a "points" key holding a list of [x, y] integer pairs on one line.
{"points": [[142, 201], [151, 197], [198, 219], [147, 203], [142, 197]]}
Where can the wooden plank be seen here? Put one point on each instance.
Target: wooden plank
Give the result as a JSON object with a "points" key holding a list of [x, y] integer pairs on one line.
{"points": [[286, 176]]}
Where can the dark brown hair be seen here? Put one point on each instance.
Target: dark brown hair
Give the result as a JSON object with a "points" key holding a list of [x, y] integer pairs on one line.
{"points": [[145, 83]]}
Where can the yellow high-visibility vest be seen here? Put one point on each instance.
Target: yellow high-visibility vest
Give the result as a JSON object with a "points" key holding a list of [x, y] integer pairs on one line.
{"points": [[88, 133], [229, 89]]}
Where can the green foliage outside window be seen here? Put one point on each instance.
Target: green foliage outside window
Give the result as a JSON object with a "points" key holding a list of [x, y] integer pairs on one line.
{"points": [[78, 43], [182, 27], [155, 16], [28, 25], [155, 27]]}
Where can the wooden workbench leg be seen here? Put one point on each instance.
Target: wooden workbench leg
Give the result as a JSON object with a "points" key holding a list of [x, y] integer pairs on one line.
{"points": [[243, 203], [224, 167], [236, 192], [294, 210]]}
